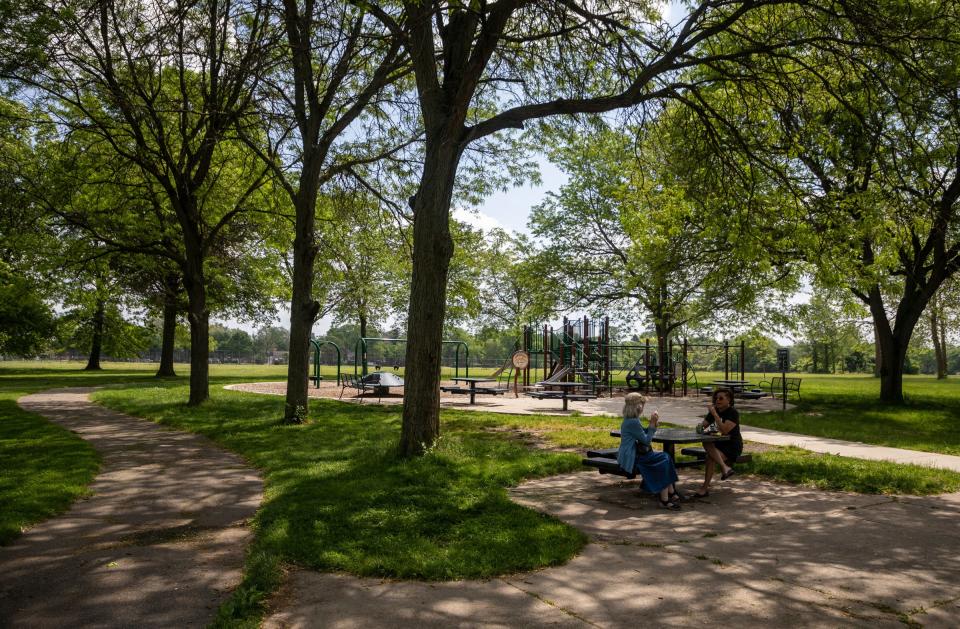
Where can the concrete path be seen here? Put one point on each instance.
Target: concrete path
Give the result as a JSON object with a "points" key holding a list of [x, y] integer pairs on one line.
{"points": [[160, 543], [754, 554]]}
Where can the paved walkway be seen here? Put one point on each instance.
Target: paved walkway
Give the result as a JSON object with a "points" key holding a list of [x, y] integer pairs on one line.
{"points": [[754, 554], [160, 542]]}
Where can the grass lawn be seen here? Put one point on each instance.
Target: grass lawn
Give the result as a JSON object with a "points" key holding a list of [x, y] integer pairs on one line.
{"points": [[847, 407], [338, 498], [44, 468]]}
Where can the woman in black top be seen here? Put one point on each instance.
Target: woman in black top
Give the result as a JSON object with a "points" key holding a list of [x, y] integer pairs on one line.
{"points": [[722, 453]]}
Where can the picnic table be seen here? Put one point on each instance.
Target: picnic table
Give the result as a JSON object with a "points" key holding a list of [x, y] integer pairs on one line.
{"points": [[670, 437], [735, 385], [381, 381], [740, 388], [568, 391], [472, 389]]}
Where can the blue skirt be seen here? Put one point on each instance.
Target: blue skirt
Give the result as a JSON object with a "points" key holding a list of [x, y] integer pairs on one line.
{"points": [[657, 470]]}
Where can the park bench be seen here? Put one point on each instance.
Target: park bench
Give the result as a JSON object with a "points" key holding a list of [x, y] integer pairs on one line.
{"points": [[776, 385], [354, 382], [701, 456]]}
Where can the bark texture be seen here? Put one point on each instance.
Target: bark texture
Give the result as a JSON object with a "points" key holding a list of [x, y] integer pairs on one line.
{"points": [[168, 337], [96, 342], [303, 313], [432, 251]]}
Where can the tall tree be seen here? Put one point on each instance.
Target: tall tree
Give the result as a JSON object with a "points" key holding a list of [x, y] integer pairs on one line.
{"points": [[482, 68], [161, 85], [364, 257], [640, 224], [334, 63], [514, 291], [874, 155]]}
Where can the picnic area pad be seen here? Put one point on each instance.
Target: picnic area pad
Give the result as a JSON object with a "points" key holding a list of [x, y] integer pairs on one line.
{"points": [[755, 552]]}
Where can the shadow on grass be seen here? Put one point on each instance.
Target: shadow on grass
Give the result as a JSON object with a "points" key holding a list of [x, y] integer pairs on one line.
{"points": [[338, 497]]}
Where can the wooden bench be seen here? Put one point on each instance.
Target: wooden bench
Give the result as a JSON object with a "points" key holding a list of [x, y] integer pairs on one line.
{"points": [[701, 455], [776, 385]]}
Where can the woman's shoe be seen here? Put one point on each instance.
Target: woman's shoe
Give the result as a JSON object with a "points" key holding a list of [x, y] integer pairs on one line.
{"points": [[695, 495], [728, 474], [668, 504], [674, 497]]}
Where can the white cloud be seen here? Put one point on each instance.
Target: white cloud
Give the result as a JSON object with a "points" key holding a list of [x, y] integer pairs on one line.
{"points": [[478, 219]]}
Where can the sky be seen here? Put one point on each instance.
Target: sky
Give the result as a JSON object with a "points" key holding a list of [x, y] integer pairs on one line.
{"points": [[510, 210]]}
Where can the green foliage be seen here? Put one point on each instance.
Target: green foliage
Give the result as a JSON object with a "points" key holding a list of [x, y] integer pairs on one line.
{"points": [[642, 222], [364, 259], [26, 322], [121, 338], [514, 293]]}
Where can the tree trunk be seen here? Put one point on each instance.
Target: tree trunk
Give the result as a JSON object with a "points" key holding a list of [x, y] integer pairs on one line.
{"points": [[662, 327], [891, 371], [944, 366], [96, 343], [894, 340], [303, 307], [199, 319], [877, 354], [939, 342], [168, 337], [432, 250]]}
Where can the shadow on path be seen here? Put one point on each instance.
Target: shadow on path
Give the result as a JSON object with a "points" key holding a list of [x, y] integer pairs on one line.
{"points": [[160, 543], [755, 553]]}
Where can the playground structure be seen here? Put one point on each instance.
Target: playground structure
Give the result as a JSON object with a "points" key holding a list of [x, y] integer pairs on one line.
{"points": [[581, 350], [317, 346], [360, 361]]}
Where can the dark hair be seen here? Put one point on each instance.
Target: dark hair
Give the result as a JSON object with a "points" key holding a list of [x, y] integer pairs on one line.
{"points": [[713, 398]]}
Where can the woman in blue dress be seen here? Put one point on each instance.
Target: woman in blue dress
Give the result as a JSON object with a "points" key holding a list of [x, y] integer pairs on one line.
{"points": [[637, 457]]}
